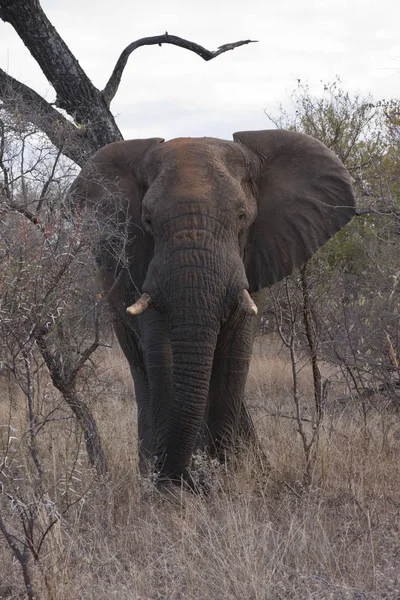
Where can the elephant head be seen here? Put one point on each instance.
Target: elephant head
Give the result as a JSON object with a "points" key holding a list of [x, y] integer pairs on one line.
{"points": [[208, 223]]}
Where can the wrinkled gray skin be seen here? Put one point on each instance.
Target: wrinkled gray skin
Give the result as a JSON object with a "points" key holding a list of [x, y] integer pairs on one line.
{"points": [[205, 219]]}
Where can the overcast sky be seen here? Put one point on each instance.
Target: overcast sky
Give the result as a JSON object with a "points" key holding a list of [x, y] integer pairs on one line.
{"points": [[169, 92]]}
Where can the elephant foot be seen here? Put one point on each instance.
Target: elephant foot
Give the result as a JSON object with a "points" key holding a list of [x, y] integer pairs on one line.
{"points": [[199, 478], [146, 462], [176, 489], [171, 493]]}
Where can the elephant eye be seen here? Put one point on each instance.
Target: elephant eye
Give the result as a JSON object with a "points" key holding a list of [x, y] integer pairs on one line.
{"points": [[147, 223], [242, 215]]}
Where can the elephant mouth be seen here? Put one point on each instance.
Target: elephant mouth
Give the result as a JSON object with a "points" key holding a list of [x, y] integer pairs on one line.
{"points": [[244, 301]]}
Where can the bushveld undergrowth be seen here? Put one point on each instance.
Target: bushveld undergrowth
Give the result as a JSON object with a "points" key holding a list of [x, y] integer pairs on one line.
{"points": [[259, 534]]}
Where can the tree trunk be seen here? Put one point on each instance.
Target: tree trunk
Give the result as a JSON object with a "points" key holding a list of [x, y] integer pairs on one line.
{"points": [[65, 383], [87, 422], [76, 94]]}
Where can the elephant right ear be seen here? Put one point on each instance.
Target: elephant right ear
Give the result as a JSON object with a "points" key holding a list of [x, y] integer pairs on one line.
{"points": [[304, 196], [109, 185]]}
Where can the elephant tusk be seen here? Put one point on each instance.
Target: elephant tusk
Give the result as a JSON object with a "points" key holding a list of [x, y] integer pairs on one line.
{"points": [[247, 304], [140, 306]]}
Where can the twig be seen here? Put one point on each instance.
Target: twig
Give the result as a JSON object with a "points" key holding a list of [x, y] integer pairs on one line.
{"points": [[372, 211]]}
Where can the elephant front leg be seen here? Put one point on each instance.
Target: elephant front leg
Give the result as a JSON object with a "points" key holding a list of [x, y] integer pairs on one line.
{"points": [[131, 347], [145, 426], [227, 416]]}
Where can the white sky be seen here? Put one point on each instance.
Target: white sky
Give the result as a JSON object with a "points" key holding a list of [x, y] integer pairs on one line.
{"points": [[169, 92]]}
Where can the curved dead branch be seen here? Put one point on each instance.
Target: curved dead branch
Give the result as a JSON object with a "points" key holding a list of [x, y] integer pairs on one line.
{"points": [[113, 83]]}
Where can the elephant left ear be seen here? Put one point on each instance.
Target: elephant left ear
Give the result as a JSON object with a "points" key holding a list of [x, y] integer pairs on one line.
{"points": [[304, 196]]}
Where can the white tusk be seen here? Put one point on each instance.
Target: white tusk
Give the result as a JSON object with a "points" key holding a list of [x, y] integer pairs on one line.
{"points": [[247, 304], [140, 306]]}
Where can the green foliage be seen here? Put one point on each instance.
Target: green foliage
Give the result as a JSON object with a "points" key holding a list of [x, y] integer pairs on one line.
{"points": [[348, 250]]}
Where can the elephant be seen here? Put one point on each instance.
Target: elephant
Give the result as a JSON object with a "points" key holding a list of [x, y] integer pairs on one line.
{"points": [[194, 230]]}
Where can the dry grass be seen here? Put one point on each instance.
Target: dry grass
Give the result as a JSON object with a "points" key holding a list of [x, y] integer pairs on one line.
{"points": [[258, 535]]}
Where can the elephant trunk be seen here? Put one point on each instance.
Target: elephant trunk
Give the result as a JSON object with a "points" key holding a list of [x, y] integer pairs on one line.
{"points": [[199, 291], [193, 344]]}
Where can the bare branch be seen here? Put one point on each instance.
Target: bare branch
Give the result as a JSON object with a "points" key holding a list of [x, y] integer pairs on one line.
{"points": [[22, 100], [32, 433], [33, 218], [86, 354], [5, 185], [113, 83], [372, 211], [21, 557], [11, 541], [48, 182], [309, 324]]}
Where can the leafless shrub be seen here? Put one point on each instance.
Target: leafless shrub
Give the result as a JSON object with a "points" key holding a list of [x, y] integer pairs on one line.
{"points": [[50, 319]]}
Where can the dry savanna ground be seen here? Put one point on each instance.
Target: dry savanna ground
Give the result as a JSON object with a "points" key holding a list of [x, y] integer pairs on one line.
{"points": [[259, 534]]}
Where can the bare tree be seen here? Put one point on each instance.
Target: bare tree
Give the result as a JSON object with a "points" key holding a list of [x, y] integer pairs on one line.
{"points": [[93, 124]]}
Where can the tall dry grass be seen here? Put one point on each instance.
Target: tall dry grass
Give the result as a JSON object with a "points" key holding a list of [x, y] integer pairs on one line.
{"points": [[258, 535]]}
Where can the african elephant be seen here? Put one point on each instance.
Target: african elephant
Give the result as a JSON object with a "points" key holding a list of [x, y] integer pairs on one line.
{"points": [[200, 226]]}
